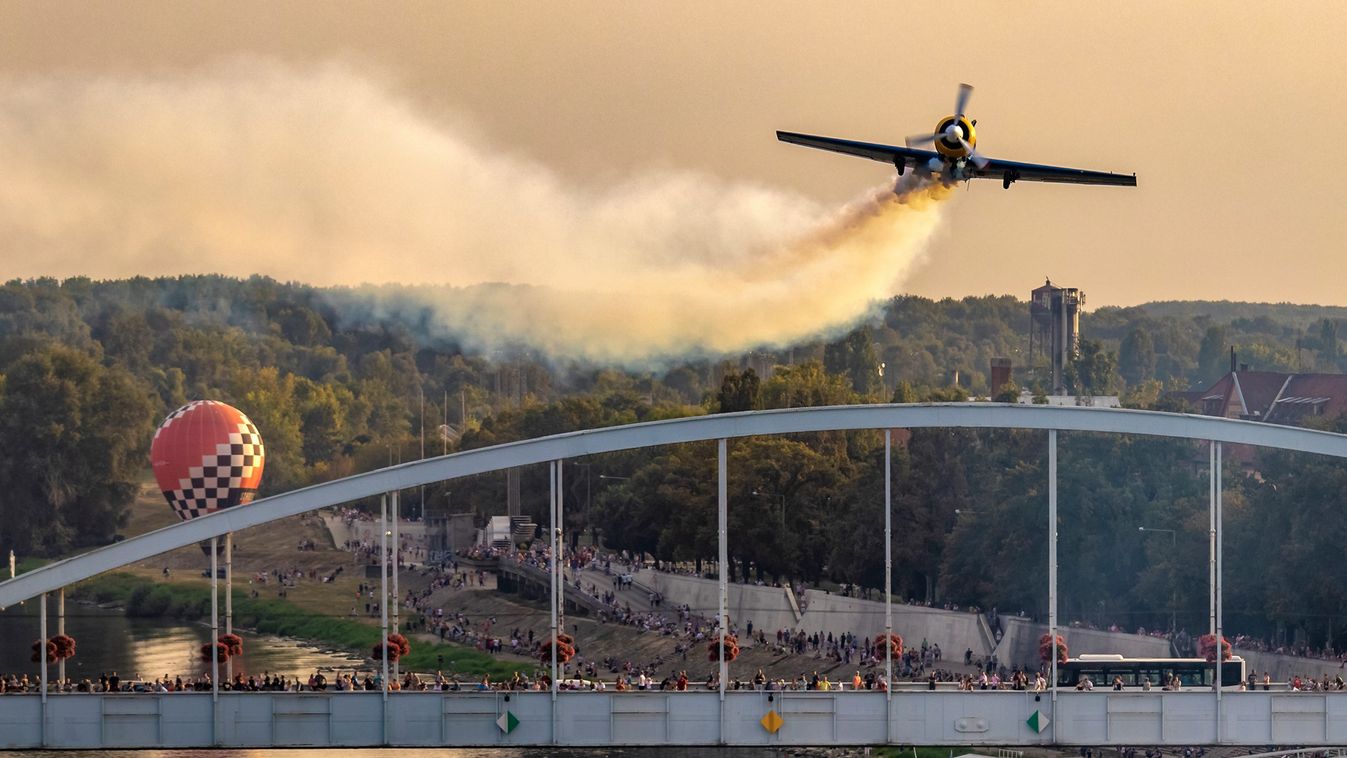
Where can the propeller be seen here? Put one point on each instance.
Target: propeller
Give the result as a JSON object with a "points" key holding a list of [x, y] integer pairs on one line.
{"points": [[954, 133], [977, 158], [965, 91]]}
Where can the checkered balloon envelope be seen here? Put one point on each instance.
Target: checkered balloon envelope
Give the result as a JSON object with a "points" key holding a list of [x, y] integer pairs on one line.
{"points": [[207, 456]]}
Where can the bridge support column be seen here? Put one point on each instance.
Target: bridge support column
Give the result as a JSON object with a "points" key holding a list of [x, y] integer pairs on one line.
{"points": [[888, 585], [42, 656], [722, 528], [229, 597], [383, 613], [396, 605], [1216, 584], [60, 629], [1213, 476], [214, 635], [553, 529], [1052, 572]]}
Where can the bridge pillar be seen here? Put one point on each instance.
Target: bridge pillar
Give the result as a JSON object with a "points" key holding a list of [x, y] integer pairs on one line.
{"points": [[888, 585], [229, 596], [397, 565], [1052, 572], [553, 501], [383, 614], [1216, 588], [214, 635], [722, 529], [42, 656], [60, 630]]}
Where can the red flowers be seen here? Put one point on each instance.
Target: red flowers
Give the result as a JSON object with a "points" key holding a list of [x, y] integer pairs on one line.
{"points": [[222, 651], [397, 645], [1206, 647], [233, 643], [565, 649], [895, 644], [731, 648], [1045, 648], [394, 652], [404, 647], [65, 646], [51, 651]]}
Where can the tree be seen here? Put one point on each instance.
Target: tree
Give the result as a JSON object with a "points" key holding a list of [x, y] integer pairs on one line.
{"points": [[1091, 372], [268, 399], [1328, 345], [74, 438], [1007, 393], [904, 393], [1136, 357], [855, 358], [739, 391], [805, 385], [1211, 356]]}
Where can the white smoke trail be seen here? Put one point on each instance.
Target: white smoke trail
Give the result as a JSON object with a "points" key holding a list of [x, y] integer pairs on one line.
{"points": [[327, 177]]}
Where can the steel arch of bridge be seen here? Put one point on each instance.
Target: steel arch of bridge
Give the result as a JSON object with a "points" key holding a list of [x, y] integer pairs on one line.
{"points": [[674, 431]]}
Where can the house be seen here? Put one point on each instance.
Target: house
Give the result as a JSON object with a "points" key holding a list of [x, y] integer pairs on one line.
{"points": [[1269, 396], [1273, 397]]}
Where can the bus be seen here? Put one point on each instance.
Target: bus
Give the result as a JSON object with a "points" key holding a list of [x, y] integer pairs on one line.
{"points": [[1193, 673]]}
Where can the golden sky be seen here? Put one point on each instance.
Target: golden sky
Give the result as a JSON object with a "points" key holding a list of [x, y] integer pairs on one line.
{"points": [[1228, 112]]}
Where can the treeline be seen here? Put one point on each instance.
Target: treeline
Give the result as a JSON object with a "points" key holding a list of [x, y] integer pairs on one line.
{"points": [[89, 368]]}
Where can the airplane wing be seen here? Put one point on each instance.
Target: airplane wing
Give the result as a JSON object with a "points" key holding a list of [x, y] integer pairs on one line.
{"points": [[1006, 171], [883, 153], [1014, 171]]}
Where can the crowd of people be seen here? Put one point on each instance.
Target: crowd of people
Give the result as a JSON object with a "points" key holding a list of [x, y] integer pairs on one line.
{"points": [[621, 599], [1258, 645]]}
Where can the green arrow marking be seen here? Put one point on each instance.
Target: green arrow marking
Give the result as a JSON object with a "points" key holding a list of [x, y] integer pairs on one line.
{"points": [[507, 722], [1038, 722]]}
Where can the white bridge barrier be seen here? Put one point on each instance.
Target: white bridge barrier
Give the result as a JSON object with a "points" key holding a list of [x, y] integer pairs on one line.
{"points": [[361, 719]]}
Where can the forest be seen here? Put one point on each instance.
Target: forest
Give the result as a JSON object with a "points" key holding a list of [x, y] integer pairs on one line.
{"points": [[89, 368]]}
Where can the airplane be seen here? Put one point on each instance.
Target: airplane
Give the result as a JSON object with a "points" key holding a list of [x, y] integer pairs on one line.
{"points": [[955, 157]]}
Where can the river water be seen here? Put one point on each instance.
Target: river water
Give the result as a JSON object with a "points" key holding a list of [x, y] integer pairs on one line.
{"points": [[107, 641]]}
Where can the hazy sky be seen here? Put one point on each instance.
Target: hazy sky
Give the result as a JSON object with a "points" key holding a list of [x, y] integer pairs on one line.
{"points": [[1229, 113]]}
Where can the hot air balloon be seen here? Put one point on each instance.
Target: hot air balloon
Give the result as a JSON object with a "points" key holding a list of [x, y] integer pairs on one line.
{"points": [[207, 456]]}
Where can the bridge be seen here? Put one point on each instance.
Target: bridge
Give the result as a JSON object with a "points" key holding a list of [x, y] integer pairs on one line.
{"points": [[723, 717]]}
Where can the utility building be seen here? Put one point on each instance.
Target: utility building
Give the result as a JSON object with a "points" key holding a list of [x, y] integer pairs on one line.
{"points": [[1054, 328]]}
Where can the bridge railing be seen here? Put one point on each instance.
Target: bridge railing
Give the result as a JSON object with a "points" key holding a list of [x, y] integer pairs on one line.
{"points": [[743, 718]]}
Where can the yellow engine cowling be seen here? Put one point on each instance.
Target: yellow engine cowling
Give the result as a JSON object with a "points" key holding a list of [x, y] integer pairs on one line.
{"points": [[951, 148]]}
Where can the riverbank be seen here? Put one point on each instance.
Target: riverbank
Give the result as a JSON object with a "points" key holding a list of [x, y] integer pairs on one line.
{"points": [[145, 598]]}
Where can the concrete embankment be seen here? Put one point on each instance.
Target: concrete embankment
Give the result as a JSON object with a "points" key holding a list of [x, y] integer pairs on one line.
{"points": [[770, 608]]}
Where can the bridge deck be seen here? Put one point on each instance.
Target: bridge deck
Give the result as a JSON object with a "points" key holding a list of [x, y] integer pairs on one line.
{"points": [[362, 719]]}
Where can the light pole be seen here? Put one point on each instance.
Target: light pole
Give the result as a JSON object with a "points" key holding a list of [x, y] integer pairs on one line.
{"points": [[1173, 593], [757, 493]]}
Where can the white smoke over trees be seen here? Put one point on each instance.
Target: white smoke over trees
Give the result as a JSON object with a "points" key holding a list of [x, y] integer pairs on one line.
{"points": [[327, 177]]}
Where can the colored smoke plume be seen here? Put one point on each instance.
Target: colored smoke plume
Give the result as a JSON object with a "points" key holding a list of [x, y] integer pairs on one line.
{"points": [[327, 177]]}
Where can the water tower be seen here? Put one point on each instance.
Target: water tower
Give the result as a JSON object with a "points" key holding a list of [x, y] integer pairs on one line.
{"points": [[1054, 328]]}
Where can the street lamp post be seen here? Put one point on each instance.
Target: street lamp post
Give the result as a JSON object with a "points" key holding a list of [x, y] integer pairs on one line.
{"points": [[1173, 593]]}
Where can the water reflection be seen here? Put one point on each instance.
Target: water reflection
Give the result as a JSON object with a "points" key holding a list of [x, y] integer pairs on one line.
{"points": [[106, 641]]}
